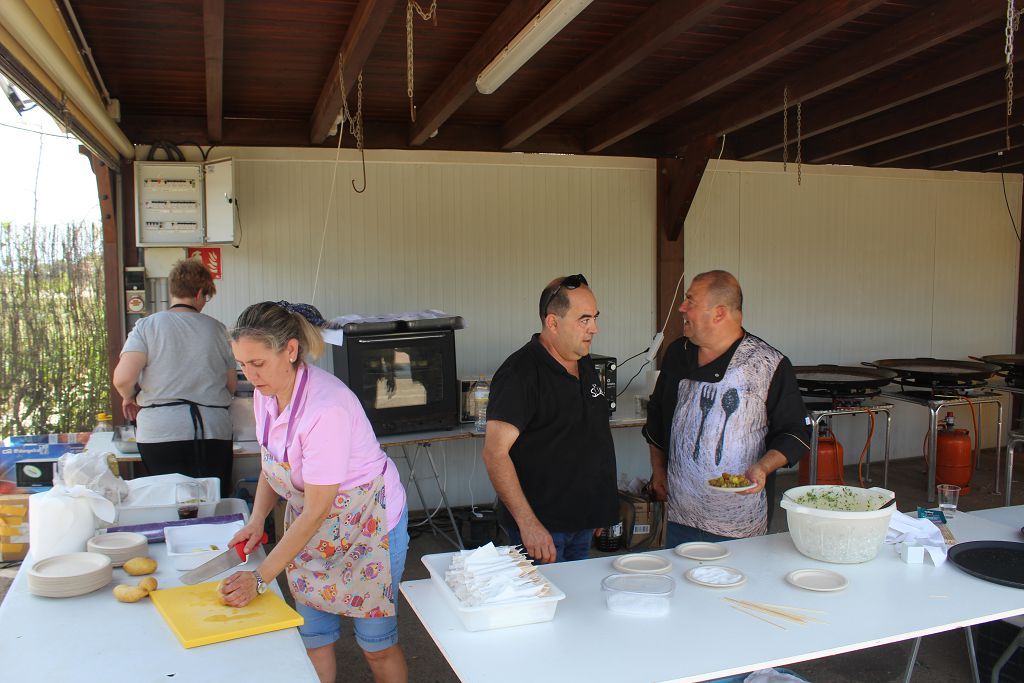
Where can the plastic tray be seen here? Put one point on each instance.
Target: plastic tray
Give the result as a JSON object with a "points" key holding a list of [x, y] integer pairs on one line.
{"points": [[487, 617], [192, 545]]}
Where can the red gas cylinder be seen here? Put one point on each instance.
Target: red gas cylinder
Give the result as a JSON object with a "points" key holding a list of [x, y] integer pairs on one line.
{"points": [[830, 462], [953, 461]]}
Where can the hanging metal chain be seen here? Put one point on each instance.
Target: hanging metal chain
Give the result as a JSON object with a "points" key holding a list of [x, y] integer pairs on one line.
{"points": [[799, 143], [785, 128], [355, 123], [428, 15], [1012, 20]]}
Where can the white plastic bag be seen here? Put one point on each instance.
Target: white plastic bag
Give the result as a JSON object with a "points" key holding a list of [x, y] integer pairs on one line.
{"points": [[62, 519], [91, 469]]}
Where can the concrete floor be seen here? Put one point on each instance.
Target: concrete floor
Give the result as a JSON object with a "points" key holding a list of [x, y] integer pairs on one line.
{"points": [[942, 657]]}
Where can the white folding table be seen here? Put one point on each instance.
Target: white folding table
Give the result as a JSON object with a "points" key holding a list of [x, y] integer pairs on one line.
{"points": [[703, 637]]}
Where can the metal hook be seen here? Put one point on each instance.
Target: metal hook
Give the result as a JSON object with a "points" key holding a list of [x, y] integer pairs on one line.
{"points": [[362, 156]]}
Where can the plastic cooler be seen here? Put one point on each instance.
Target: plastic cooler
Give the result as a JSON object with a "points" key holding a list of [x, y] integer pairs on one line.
{"points": [[501, 615]]}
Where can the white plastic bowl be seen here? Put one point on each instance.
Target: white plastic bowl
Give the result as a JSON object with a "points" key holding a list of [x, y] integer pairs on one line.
{"points": [[839, 536]]}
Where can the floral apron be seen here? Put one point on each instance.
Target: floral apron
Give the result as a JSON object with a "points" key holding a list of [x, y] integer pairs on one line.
{"points": [[345, 568]]}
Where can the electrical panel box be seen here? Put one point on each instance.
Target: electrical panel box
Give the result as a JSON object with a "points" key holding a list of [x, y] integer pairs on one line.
{"points": [[184, 204]]}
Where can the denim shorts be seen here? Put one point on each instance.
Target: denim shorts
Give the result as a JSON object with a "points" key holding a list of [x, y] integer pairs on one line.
{"points": [[372, 634]]}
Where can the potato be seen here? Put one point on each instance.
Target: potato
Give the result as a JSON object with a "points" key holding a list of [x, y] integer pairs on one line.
{"points": [[148, 584], [137, 566], [129, 593], [220, 593]]}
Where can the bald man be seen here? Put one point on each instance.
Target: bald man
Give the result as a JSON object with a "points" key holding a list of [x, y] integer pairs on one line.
{"points": [[725, 401]]}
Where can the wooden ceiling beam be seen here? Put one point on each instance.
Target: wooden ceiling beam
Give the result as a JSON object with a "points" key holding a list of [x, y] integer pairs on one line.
{"points": [[959, 153], [460, 83], [145, 130], [1004, 160], [957, 67], [213, 55], [929, 27], [954, 103], [962, 129], [360, 37], [807, 21], [654, 29]]}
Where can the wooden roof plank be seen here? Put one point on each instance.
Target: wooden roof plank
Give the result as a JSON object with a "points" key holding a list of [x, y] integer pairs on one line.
{"points": [[929, 27], [950, 104], [910, 84], [654, 29], [945, 134], [460, 84], [804, 23], [213, 55], [360, 37]]}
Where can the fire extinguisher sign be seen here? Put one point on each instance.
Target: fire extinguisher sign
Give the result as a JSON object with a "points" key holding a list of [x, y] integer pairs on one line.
{"points": [[209, 257]]}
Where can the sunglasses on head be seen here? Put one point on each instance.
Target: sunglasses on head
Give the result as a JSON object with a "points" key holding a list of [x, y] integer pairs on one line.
{"points": [[570, 282]]}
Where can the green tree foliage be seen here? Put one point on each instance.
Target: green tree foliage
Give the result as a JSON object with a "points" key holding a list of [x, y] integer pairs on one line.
{"points": [[54, 375]]}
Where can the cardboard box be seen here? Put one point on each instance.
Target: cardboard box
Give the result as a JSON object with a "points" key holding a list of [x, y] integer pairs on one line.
{"points": [[13, 527], [643, 521], [9, 455]]}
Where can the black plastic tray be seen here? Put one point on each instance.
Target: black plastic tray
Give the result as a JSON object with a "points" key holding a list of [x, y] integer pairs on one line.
{"points": [[1000, 562]]}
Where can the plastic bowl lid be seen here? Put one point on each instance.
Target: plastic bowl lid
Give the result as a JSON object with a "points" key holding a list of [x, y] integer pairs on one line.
{"points": [[641, 584]]}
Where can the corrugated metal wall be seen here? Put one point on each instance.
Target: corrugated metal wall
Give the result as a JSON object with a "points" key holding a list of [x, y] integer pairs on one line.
{"points": [[478, 235], [861, 264]]}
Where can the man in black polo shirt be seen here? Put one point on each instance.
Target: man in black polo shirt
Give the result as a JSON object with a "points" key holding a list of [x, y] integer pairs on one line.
{"points": [[548, 447], [725, 401]]}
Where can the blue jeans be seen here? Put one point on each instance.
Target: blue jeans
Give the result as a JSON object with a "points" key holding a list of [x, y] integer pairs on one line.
{"points": [[680, 533], [373, 634], [569, 545]]}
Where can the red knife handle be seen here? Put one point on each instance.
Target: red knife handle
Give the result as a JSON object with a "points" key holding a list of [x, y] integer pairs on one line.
{"points": [[240, 547]]}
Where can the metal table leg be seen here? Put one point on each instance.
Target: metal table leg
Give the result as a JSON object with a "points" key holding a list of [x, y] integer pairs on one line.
{"points": [[411, 462], [972, 656], [813, 464], [933, 442], [999, 444], [888, 438], [912, 660]]}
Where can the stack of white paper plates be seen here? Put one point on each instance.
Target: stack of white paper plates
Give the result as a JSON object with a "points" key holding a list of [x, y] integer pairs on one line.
{"points": [[64, 576], [119, 546]]}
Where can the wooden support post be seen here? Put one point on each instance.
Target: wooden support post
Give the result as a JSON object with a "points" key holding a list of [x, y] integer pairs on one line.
{"points": [[678, 180], [105, 186]]}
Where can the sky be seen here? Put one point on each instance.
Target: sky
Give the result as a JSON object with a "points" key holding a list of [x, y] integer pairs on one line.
{"points": [[66, 185]]}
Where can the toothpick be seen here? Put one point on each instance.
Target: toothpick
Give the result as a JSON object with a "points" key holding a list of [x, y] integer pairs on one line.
{"points": [[756, 616]]}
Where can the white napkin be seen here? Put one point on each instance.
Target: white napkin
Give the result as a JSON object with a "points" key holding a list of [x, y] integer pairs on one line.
{"points": [[906, 529], [488, 575]]}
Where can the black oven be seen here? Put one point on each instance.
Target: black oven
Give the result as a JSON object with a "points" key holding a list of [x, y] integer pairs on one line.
{"points": [[406, 381]]}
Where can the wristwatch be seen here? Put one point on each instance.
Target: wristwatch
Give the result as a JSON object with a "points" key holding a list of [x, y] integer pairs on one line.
{"points": [[261, 587]]}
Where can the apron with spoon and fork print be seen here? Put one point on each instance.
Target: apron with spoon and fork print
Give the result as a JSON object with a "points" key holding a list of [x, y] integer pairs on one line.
{"points": [[721, 427]]}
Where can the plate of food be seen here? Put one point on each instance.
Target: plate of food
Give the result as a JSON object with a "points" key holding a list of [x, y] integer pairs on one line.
{"points": [[734, 483]]}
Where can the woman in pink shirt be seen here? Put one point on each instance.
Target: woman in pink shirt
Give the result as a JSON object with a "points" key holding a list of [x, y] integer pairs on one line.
{"points": [[346, 538]]}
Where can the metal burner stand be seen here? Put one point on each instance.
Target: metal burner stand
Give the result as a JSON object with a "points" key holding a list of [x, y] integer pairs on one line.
{"points": [[936, 403], [1014, 439], [818, 415]]}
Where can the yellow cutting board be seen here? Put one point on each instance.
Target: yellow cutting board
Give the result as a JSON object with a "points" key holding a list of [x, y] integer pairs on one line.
{"points": [[196, 616]]}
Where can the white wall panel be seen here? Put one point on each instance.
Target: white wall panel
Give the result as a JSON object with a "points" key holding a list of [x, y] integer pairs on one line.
{"points": [[860, 264], [478, 235]]}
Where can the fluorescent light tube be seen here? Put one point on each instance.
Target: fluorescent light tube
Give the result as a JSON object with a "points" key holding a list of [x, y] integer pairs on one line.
{"points": [[535, 35]]}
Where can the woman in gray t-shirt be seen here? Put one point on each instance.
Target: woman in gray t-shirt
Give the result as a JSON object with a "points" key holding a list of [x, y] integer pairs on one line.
{"points": [[176, 377]]}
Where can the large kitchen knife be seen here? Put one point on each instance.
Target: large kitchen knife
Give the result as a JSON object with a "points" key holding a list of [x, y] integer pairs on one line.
{"points": [[229, 559]]}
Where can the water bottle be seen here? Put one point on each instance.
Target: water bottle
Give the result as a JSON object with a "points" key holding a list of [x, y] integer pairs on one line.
{"points": [[104, 423], [481, 392]]}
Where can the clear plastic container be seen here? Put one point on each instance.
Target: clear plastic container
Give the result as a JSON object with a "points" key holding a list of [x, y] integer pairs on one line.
{"points": [[642, 595], [481, 392], [104, 422]]}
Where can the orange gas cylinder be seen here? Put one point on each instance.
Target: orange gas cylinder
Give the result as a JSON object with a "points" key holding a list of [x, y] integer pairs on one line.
{"points": [[953, 461], [830, 462]]}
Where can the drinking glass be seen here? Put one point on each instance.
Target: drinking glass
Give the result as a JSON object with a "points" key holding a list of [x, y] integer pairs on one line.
{"points": [[949, 496], [188, 495]]}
